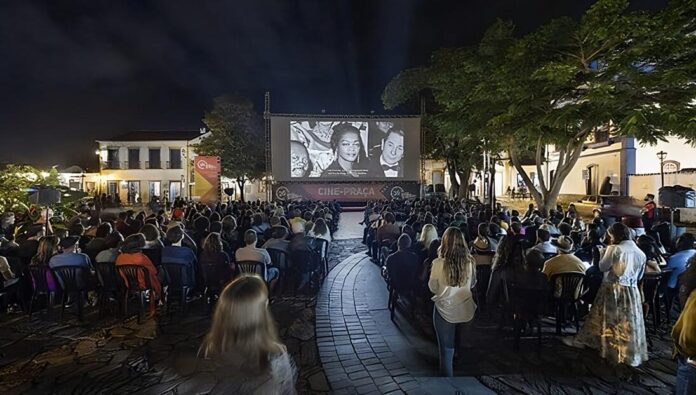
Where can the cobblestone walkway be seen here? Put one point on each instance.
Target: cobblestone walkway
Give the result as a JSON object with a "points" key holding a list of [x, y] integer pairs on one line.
{"points": [[107, 356], [363, 351]]}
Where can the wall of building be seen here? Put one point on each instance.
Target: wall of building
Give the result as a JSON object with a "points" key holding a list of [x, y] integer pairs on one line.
{"points": [[677, 149], [641, 184]]}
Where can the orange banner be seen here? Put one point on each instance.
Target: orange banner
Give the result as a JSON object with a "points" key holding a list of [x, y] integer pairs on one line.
{"points": [[206, 175]]}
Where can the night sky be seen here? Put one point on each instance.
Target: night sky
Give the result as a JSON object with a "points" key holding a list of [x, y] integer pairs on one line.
{"points": [[75, 71]]}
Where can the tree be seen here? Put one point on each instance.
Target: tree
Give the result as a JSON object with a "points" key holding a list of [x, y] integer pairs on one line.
{"points": [[17, 179], [627, 72], [237, 137]]}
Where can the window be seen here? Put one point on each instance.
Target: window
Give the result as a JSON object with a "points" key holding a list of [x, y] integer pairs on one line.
{"points": [[174, 189], [154, 158], [174, 159], [134, 158], [155, 189], [112, 159]]}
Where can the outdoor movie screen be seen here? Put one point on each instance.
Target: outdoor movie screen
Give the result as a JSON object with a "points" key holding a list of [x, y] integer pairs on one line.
{"points": [[325, 149]]}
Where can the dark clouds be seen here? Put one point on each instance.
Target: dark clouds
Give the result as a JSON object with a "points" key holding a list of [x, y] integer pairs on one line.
{"points": [[72, 72]]}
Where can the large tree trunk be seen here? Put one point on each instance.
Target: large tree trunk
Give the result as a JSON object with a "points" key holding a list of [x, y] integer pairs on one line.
{"points": [[241, 182], [452, 171], [546, 195], [464, 174]]}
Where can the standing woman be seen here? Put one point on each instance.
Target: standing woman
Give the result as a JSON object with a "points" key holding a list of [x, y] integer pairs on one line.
{"points": [[451, 279], [243, 341], [615, 323]]}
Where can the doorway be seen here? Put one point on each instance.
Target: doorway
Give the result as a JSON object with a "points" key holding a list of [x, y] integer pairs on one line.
{"points": [[592, 181], [133, 191]]}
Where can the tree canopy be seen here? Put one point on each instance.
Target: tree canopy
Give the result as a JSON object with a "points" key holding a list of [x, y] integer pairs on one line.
{"points": [[237, 137], [626, 72]]}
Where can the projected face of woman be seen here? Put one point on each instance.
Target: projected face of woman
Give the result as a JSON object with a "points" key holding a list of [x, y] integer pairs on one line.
{"points": [[348, 147], [299, 160]]}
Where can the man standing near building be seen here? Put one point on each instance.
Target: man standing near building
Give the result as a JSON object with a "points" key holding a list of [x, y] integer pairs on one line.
{"points": [[648, 211]]}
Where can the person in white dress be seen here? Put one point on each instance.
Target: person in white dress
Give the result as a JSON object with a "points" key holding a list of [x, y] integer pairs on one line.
{"points": [[615, 325]]}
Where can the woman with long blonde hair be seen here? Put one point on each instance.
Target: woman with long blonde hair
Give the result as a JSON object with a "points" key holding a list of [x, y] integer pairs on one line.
{"points": [[48, 247], [243, 336], [452, 276]]}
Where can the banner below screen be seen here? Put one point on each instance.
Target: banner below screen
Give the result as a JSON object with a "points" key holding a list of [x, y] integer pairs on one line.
{"points": [[345, 192], [206, 176]]}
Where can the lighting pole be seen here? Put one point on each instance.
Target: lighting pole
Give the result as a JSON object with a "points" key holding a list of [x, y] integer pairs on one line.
{"points": [[662, 155]]}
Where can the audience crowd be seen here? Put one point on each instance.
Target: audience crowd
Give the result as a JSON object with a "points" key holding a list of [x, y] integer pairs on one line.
{"points": [[200, 249], [456, 258]]}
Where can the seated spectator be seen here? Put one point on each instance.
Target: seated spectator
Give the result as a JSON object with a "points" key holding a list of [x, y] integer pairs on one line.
{"points": [[544, 242], [97, 244], [78, 230], [258, 225], [278, 239], [131, 254], [684, 250], [252, 253], [564, 262], [201, 226], [48, 247], [214, 254], [687, 281], [484, 242], [532, 277], [243, 345], [428, 243], [9, 278], [178, 254], [654, 258], [402, 266], [229, 233], [112, 244], [70, 255], [320, 230], [389, 230], [152, 236]]}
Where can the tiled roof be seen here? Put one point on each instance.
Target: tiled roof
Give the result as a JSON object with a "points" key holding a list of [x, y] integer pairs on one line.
{"points": [[156, 135]]}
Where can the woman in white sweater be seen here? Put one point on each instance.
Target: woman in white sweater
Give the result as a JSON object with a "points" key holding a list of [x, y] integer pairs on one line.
{"points": [[452, 276]]}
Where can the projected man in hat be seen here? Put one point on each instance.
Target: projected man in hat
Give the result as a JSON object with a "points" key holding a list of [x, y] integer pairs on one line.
{"points": [[390, 162]]}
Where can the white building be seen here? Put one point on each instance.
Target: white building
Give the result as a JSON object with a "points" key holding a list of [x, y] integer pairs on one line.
{"points": [[144, 164], [633, 168]]}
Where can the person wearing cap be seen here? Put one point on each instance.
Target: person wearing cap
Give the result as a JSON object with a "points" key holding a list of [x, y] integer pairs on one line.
{"points": [[70, 255], [648, 211], [564, 262]]}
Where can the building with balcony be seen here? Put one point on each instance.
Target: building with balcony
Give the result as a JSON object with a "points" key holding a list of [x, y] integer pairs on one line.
{"points": [[144, 164]]}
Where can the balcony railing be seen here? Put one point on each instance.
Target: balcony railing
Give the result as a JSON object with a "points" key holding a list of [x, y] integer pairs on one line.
{"points": [[153, 165], [173, 164], [111, 165], [133, 164]]}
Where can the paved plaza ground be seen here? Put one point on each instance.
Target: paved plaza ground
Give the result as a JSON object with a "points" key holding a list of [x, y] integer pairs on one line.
{"points": [[342, 340]]}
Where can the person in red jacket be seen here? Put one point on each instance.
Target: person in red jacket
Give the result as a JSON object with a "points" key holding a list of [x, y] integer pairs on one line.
{"points": [[648, 211], [131, 254]]}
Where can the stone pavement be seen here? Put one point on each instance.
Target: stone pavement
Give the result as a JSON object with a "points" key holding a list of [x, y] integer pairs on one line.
{"points": [[363, 351], [109, 356]]}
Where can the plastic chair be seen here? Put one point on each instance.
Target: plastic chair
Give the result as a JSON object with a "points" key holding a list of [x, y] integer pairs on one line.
{"points": [[72, 280], [650, 284], [176, 287], [40, 288], [571, 291], [527, 307], [215, 277], [108, 284], [305, 263], [253, 267], [281, 261], [131, 274], [322, 247]]}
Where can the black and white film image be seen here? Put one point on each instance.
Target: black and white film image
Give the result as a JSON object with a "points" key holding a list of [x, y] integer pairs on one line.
{"points": [[347, 149]]}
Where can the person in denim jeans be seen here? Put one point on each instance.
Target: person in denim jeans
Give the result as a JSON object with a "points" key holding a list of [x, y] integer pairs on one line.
{"points": [[451, 279]]}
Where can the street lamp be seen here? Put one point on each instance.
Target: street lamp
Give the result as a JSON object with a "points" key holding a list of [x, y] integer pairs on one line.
{"points": [[662, 155]]}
